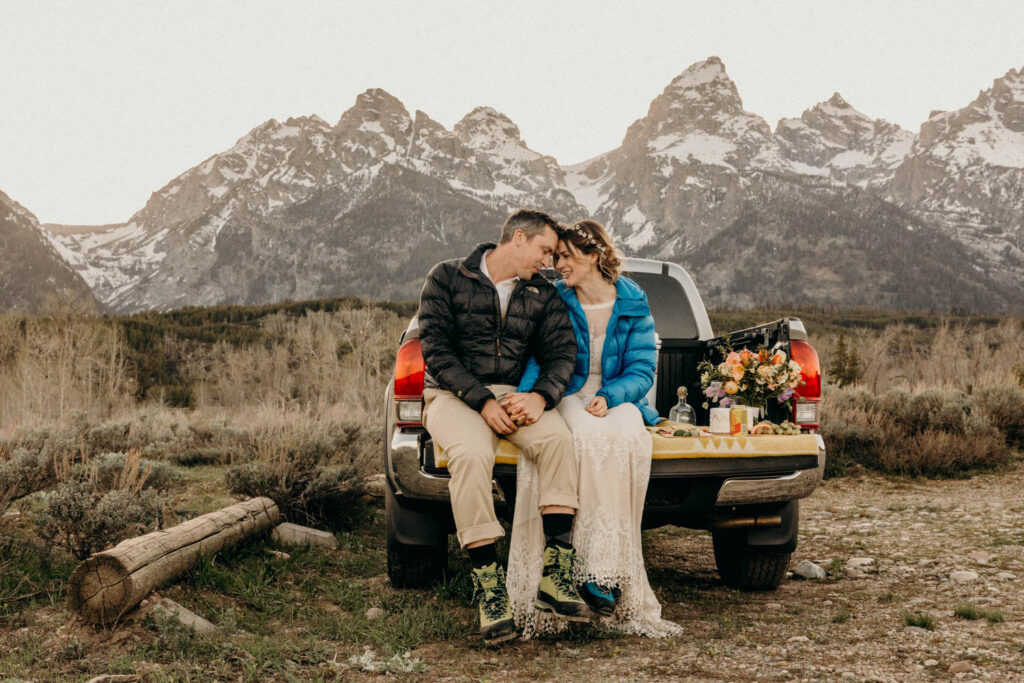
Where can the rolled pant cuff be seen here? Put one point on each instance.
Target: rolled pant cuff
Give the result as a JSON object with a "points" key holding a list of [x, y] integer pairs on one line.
{"points": [[568, 500], [480, 532]]}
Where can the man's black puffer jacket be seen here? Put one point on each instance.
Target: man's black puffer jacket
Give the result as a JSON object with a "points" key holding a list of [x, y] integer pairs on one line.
{"points": [[465, 345]]}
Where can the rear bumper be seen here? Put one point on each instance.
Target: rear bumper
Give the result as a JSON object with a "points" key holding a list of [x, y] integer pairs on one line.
{"points": [[754, 490], [743, 481]]}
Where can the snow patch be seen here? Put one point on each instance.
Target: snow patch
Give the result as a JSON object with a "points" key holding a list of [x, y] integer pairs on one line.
{"points": [[986, 142], [697, 146], [641, 238], [286, 132], [850, 159], [634, 216]]}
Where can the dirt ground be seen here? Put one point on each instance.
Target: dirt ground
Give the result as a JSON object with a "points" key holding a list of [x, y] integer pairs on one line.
{"points": [[926, 555], [851, 626]]}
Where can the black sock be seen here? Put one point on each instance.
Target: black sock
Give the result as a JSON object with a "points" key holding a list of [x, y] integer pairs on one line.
{"points": [[482, 555], [558, 529]]}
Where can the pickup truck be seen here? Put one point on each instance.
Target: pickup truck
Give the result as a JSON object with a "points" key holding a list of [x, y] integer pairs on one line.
{"points": [[748, 497]]}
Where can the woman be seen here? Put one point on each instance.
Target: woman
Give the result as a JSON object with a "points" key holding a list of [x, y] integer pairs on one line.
{"points": [[605, 407]]}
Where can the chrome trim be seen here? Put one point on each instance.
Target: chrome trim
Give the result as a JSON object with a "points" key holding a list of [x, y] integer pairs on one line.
{"points": [[404, 463], [799, 484]]}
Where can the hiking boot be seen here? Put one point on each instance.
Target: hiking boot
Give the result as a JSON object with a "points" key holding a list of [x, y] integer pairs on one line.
{"points": [[600, 599], [496, 624], [557, 593]]}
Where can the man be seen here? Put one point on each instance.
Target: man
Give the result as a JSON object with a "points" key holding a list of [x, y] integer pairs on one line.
{"points": [[480, 319]]}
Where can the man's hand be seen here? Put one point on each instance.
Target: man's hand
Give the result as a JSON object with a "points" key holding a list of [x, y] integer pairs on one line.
{"points": [[598, 407], [496, 418], [524, 409]]}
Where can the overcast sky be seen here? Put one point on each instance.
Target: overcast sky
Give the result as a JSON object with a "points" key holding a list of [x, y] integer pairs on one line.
{"points": [[104, 102]]}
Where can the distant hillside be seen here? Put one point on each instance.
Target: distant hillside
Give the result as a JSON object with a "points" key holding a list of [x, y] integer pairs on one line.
{"points": [[30, 266], [838, 246]]}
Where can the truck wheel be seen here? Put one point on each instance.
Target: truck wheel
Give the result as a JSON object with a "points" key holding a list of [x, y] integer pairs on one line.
{"points": [[415, 566], [746, 567]]}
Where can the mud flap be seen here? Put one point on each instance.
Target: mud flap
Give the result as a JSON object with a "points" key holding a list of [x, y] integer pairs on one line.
{"points": [[414, 522], [781, 538]]}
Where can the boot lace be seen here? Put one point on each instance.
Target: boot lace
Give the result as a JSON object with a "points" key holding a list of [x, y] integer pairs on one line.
{"points": [[489, 591]]}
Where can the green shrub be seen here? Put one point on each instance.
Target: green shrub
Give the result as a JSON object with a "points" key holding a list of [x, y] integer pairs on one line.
{"points": [[110, 436], [305, 491], [932, 434], [21, 473], [966, 610], [110, 468], [849, 444], [919, 619], [1004, 407], [76, 517], [206, 455]]}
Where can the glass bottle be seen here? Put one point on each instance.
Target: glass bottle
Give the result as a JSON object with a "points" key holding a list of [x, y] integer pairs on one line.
{"points": [[681, 412]]}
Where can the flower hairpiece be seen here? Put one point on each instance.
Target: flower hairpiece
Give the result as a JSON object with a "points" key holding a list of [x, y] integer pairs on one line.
{"points": [[584, 233]]}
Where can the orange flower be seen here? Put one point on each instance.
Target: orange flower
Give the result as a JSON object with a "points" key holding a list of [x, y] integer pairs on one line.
{"points": [[731, 387], [732, 359], [778, 358], [745, 355], [737, 372]]}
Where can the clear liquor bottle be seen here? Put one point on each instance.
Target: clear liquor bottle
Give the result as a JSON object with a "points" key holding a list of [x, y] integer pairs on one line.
{"points": [[681, 412]]}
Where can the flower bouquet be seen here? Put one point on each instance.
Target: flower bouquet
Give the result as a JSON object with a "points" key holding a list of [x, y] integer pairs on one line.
{"points": [[749, 377]]}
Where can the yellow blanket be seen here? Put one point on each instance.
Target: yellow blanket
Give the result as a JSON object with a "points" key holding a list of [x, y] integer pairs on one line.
{"points": [[689, 447]]}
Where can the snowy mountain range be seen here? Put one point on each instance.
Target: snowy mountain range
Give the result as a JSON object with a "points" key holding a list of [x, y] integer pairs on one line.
{"points": [[303, 209]]}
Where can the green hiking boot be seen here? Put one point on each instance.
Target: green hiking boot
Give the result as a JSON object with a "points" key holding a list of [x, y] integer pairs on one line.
{"points": [[496, 624], [557, 592]]}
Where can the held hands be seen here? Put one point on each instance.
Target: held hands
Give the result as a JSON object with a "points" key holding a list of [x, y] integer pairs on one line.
{"points": [[496, 418], [598, 407], [524, 409]]}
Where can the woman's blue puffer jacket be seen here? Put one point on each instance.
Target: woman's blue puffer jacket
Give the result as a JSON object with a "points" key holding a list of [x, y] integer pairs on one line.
{"points": [[629, 357]]}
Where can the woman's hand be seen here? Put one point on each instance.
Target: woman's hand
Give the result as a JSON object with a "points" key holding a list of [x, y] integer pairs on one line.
{"points": [[598, 407], [524, 409]]}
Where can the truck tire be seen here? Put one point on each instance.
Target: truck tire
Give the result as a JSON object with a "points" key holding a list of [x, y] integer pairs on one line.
{"points": [[749, 568]]}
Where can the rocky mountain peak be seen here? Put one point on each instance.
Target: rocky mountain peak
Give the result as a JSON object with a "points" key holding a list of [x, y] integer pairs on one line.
{"points": [[838, 107], [699, 118], [834, 137], [487, 129], [1007, 99], [705, 77], [703, 88], [375, 111], [989, 130]]}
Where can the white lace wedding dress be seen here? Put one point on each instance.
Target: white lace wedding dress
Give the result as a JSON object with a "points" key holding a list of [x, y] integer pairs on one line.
{"points": [[613, 454]]}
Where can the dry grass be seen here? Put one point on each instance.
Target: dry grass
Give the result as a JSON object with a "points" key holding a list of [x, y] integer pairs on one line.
{"points": [[55, 365], [954, 356]]}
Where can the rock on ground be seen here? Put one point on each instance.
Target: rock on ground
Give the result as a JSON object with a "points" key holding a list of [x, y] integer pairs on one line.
{"points": [[809, 570]]}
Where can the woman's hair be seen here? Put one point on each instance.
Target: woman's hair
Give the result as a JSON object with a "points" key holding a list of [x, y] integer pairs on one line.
{"points": [[590, 237]]}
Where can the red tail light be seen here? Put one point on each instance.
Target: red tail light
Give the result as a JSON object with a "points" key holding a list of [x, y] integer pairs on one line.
{"points": [[808, 394], [409, 367], [804, 354]]}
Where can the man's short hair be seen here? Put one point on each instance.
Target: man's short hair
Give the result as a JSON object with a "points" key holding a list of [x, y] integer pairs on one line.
{"points": [[530, 221]]}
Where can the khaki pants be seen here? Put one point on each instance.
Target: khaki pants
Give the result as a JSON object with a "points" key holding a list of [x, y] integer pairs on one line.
{"points": [[469, 445]]}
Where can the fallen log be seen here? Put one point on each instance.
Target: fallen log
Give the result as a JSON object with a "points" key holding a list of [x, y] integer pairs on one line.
{"points": [[111, 582]]}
